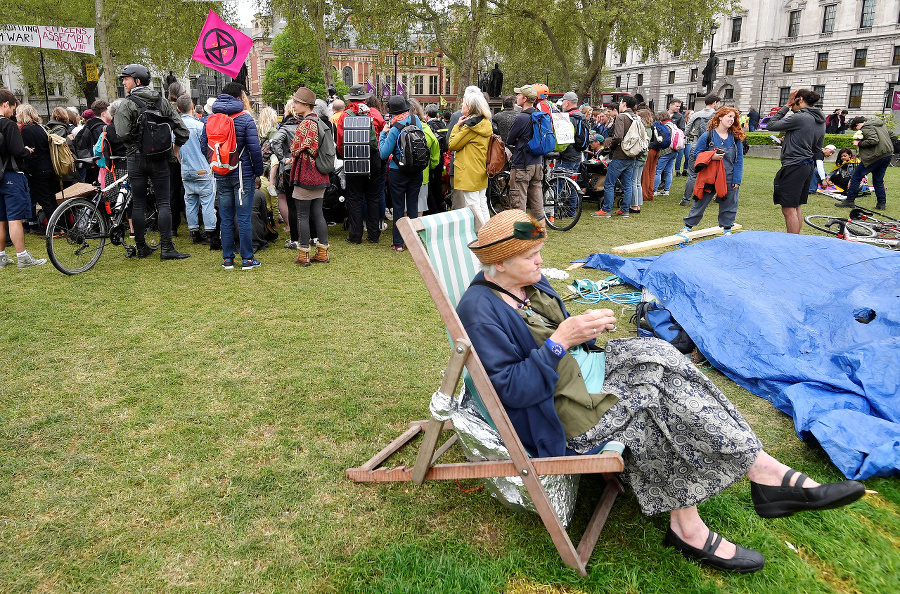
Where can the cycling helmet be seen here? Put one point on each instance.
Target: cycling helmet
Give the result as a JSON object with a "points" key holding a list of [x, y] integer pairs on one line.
{"points": [[137, 72], [542, 90]]}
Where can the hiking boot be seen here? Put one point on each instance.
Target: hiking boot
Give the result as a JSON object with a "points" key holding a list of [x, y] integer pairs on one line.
{"points": [[321, 253], [196, 236], [168, 252], [215, 240], [29, 260], [228, 263], [881, 205], [144, 250], [4, 260], [249, 264], [848, 203], [302, 256]]}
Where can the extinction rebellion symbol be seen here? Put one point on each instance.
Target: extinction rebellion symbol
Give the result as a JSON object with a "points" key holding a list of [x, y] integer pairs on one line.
{"points": [[219, 47]]}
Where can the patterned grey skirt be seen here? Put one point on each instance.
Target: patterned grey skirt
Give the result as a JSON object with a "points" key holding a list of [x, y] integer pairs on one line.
{"points": [[685, 441]]}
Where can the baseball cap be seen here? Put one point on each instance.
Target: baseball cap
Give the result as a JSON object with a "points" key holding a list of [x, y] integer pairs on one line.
{"points": [[570, 96], [527, 90]]}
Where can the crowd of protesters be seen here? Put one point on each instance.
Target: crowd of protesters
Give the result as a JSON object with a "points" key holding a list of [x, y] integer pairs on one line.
{"points": [[276, 180]]}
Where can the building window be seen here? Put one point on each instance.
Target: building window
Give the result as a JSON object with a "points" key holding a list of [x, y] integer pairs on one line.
{"points": [[855, 101], [432, 85], [859, 59], [788, 65], [622, 56], [347, 76], [896, 60], [783, 94], [640, 81], [447, 85], [672, 72], [867, 17], [794, 24], [669, 98], [822, 61], [820, 89], [729, 68], [692, 99], [389, 60], [419, 61], [693, 75], [736, 29], [419, 84], [828, 16], [618, 81], [676, 53], [729, 93]]}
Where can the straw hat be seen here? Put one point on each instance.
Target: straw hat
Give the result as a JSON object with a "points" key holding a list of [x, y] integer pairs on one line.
{"points": [[508, 234]]}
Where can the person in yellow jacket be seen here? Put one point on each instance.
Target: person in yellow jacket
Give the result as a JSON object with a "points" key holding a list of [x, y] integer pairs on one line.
{"points": [[433, 149], [470, 139]]}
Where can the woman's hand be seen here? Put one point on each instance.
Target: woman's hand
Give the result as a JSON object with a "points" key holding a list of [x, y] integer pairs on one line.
{"points": [[736, 186], [581, 328], [717, 156]]}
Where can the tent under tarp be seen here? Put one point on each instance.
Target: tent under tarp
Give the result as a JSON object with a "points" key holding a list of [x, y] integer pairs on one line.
{"points": [[810, 323]]}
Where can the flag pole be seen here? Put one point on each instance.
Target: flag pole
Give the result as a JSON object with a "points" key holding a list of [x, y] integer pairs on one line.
{"points": [[46, 94]]}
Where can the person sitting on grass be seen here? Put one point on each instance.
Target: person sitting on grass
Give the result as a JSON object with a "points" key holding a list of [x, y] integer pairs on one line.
{"points": [[685, 442], [840, 175]]}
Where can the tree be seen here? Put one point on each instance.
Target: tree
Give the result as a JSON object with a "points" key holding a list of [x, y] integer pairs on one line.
{"points": [[296, 64]]}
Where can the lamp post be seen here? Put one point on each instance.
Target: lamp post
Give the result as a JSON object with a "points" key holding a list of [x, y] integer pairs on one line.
{"points": [[628, 83], [396, 53], [548, 79], [712, 36], [763, 84]]}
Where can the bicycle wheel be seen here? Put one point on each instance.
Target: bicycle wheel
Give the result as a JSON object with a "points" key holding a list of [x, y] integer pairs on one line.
{"points": [[76, 234], [895, 160], [498, 192], [562, 203], [834, 225], [151, 218]]}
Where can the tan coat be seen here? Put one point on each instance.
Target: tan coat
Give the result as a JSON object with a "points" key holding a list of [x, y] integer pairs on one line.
{"points": [[471, 146]]}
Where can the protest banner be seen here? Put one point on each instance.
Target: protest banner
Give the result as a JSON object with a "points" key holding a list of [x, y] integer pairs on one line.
{"points": [[67, 39]]}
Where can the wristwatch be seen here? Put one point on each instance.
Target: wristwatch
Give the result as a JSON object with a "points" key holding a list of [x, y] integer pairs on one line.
{"points": [[557, 349]]}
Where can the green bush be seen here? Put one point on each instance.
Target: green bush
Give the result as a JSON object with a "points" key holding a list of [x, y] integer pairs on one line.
{"points": [[764, 138]]}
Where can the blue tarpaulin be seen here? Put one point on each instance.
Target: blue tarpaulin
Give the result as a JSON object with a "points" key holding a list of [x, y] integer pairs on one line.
{"points": [[810, 323]]}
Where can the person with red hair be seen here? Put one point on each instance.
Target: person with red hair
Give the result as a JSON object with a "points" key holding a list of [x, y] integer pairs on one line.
{"points": [[725, 137]]}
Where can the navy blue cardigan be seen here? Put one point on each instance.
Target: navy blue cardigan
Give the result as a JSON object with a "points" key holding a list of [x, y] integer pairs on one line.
{"points": [[523, 373]]}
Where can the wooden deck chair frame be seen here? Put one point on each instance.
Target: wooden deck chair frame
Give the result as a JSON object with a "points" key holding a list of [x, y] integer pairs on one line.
{"points": [[608, 463]]}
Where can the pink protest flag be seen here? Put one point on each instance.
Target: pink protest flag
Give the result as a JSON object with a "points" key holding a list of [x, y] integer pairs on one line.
{"points": [[221, 46]]}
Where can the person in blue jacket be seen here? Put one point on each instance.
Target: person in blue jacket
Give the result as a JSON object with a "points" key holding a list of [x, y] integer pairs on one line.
{"points": [[235, 190], [724, 136], [685, 442], [403, 186]]}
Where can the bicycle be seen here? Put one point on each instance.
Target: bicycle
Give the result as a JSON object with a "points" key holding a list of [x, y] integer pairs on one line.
{"points": [[80, 227], [563, 199], [860, 226]]}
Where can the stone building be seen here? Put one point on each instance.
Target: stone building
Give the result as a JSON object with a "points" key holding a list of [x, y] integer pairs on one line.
{"points": [[846, 50]]}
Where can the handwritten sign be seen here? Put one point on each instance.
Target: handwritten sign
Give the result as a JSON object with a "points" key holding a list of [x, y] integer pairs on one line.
{"points": [[67, 39]]}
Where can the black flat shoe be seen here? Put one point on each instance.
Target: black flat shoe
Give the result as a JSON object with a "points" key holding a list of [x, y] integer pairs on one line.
{"points": [[744, 560], [779, 502]]}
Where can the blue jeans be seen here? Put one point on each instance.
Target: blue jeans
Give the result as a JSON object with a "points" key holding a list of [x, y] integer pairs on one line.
{"points": [[618, 168], [814, 182], [683, 154], [666, 163], [232, 201], [877, 170], [199, 194], [637, 193], [570, 165], [405, 197]]}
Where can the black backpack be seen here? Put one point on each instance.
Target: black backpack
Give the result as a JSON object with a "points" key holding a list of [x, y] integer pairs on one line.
{"points": [[658, 321], [439, 127], [412, 154], [154, 130], [85, 140]]}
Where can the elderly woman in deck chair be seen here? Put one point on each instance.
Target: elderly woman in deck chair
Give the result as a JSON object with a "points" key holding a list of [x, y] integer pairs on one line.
{"points": [[685, 441]]}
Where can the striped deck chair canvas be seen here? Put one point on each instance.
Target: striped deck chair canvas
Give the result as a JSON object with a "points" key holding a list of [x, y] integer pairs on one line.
{"points": [[438, 246]]}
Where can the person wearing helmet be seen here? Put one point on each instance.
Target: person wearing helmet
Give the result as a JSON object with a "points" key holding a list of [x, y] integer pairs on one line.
{"points": [[543, 98], [143, 170]]}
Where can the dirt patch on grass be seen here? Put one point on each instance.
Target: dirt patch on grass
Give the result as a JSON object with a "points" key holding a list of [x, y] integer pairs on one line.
{"points": [[521, 586]]}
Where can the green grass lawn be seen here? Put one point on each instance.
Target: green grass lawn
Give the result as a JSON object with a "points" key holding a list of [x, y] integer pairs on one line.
{"points": [[177, 427]]}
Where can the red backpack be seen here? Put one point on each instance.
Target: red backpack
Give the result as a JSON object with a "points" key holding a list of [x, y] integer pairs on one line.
{"points": [[221, 141]]}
